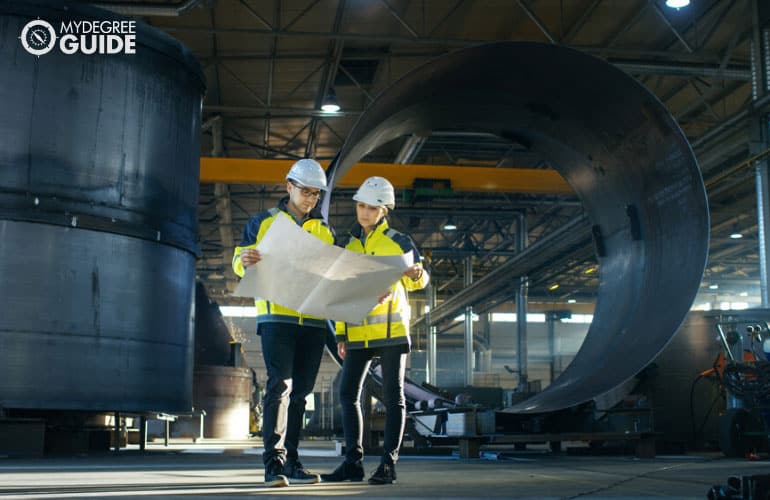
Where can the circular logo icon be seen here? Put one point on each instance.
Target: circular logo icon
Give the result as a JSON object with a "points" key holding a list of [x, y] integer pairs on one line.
{"points": [[38, 37]]}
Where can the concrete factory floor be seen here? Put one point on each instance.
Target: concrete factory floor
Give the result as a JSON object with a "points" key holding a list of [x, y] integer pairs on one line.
{"points": [[230, 470]]}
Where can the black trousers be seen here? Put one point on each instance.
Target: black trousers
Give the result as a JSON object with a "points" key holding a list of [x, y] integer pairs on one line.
{"points": [[292, 355], [354, 369]]}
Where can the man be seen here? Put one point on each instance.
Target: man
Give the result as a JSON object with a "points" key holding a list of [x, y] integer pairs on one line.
{"points": [[292, 343]]}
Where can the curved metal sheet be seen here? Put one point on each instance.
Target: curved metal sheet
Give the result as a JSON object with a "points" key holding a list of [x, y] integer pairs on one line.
{"points": [[620, 150], [98, 220], [114, 136]]}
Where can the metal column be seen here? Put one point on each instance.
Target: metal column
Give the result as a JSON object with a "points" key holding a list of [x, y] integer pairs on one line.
{"points": [[521, 308], [468, 326], [760, 130], [550, 321], [430, 358], [763, 215]]}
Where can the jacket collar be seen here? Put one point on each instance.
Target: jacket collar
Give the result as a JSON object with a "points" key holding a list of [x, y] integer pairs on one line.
{"points": [[358, 232], [314, 214]]}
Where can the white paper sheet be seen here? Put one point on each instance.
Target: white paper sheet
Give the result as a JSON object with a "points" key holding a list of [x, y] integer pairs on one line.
{"points": [[303, 273]]}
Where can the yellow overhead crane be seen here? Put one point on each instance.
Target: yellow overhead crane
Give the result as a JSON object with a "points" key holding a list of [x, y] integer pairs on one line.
{"points": [[478, 179]]}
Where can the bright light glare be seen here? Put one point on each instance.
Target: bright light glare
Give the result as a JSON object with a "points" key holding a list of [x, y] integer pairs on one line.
{"points": [[677, 4], [532, 318], [330, 108], [238, 311]]}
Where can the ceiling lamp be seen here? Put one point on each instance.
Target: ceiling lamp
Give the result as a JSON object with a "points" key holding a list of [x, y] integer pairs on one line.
{"points": [[553, 287], [330, 104], [450, 225], [736, 234], [677, 4]]}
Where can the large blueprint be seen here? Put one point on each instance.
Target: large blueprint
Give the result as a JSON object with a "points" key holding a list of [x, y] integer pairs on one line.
{"points": [[303, 273]]}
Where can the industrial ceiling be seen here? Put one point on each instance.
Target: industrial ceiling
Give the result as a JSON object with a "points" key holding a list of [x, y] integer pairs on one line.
{"points": [[269, 66]]}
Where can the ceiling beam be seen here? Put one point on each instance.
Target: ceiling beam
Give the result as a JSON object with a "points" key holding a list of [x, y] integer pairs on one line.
{"points": [[479, 179]]}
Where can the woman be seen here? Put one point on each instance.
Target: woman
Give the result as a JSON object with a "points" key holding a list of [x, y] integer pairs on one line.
{"points": [[384, 333]]}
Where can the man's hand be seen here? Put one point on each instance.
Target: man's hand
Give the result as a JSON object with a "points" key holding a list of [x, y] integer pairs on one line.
{"points": [[385, 297], [249, 257], [413, 272], [341, 349]]}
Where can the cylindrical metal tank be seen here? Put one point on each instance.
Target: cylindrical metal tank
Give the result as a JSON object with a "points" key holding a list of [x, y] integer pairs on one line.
{"points": [[222, 385], [99, 176], [224, 393], [622, 153]]}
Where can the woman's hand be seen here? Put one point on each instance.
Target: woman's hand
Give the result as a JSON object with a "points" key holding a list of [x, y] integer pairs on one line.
{"points": [[414, 272], [341, 349], [249, 257]]}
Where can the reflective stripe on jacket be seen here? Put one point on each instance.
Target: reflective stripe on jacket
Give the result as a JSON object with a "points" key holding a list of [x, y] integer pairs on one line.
{"points": [[387, 323], [252, 234]]}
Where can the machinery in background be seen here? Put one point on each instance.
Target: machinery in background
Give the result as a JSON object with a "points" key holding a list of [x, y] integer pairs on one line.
{"points": [[754, 487], [668, 407], [742, 370], [618, 421]]}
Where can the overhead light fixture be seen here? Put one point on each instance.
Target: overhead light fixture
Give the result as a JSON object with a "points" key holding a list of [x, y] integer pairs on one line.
{"points": [[677, 4], [713, 287], [330, 104], [571, 301], [590, 270], [553, 287], [450, 225]]}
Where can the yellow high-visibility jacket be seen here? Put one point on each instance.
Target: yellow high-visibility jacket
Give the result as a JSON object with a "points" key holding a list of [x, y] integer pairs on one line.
{"points": [[387, 323], [252, 234]]}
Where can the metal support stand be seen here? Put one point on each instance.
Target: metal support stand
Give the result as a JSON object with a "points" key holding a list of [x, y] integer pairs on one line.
{"points": [[117, 432], [142, 433]]}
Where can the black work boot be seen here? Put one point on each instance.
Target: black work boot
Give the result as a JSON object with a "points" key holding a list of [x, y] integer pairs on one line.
{"points": [[347, 471], [274, 476], [385, 474], [297, 474]]}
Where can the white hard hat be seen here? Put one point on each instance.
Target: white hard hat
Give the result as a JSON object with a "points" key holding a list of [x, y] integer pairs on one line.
{"points": [[376, 191], [308, 173]]}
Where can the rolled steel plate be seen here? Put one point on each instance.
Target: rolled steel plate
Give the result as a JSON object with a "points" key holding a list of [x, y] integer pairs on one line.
{"points": [[94, 321], [620, 150]]}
